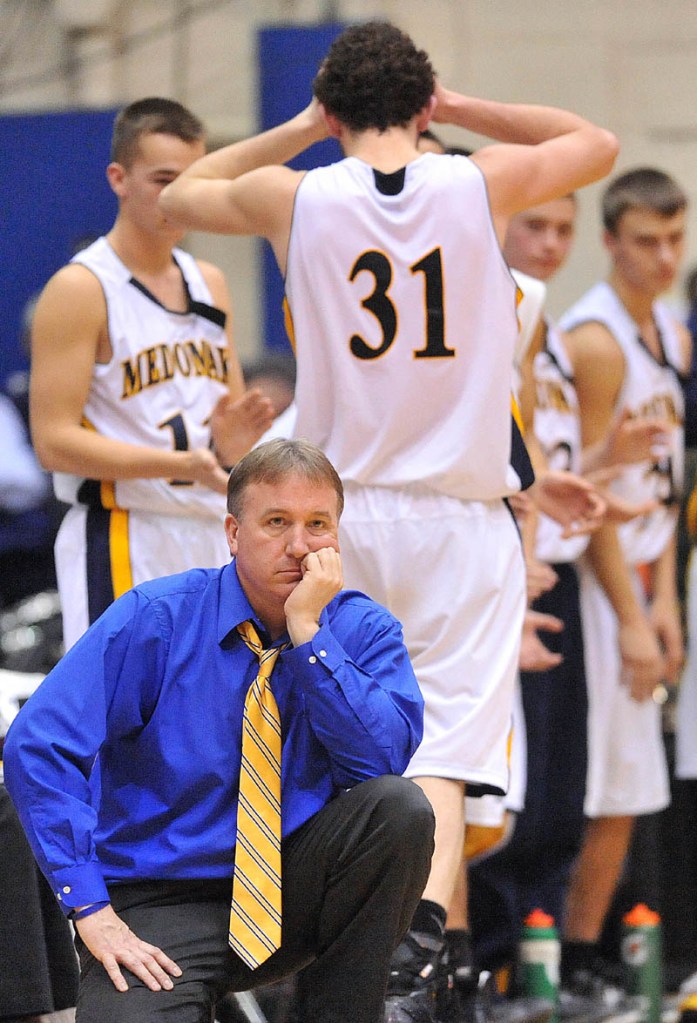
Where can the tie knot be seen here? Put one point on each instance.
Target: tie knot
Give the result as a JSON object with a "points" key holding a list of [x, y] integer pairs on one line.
{"points": [[249, 634]]}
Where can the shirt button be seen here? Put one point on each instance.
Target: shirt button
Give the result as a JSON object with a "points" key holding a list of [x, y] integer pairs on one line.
{"points": [[312, 660], [323, 653], [67, 889], [59, 896]]}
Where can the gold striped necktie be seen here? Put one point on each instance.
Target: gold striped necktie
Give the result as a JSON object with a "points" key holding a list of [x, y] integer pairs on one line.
{"points": [[255, 915]]}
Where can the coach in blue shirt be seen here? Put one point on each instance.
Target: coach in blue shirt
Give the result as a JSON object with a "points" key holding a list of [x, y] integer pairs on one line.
{"points": [[154, 694]]}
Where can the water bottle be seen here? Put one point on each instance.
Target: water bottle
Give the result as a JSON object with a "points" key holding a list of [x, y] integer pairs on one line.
{"points": [[540, 954], [642, 957]]}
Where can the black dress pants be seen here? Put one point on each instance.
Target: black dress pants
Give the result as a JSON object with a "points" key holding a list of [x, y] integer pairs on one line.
{"points": [[352, 877]]}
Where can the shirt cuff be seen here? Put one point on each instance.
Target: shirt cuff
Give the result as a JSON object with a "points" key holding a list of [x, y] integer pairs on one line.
{"points": [[323, 655], [79, 886]]}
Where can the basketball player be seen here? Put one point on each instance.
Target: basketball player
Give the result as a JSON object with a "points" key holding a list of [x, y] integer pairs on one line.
{"points": [[133, 374], [403, 315], [628, 352]]}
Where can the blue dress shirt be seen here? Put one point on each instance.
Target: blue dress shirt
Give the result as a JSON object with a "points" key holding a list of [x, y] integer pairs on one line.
{"points": [[155, 689]]}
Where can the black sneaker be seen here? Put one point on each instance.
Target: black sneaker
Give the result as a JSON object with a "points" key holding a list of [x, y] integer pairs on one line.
{"points": [[481, 1002], [415, 974], [414, 1007], [523, 1009], [589, 998]]}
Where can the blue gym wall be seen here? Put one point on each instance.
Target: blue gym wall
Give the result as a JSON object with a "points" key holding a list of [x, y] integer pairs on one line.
{"points": [[288, 62], [54, 193]]}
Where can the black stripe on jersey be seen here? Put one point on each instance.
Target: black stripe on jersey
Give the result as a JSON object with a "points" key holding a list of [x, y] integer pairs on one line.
{"points": [[208, 312], [552, 358], [100, 585], [90, 493], [520, 459], [203, 309], [664, 362], [390, 184]]}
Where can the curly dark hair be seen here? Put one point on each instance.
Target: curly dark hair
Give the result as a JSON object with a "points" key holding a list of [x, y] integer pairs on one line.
{"points": [[374, 77]]}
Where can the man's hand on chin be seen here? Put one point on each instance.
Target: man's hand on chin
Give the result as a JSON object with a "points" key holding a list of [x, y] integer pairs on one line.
{"points": [[322, 579]]}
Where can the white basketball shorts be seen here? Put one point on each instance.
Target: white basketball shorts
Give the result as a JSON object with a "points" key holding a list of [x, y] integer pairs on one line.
{"points": [[627, 771], [452, 572], [100, 554]]}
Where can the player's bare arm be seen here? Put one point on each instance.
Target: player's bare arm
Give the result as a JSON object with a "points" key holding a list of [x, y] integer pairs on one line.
{"points": [[665, 611], [69, 336], [243, 188], [547, 152], [628, 441], [599, 369]]}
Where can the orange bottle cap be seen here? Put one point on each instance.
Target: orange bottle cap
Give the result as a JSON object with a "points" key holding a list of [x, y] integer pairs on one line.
{"points": [[538, 918], [641, 916]]}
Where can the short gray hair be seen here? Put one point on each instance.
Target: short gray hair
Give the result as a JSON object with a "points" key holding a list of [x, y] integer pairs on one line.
{"points": [[274, 461]]}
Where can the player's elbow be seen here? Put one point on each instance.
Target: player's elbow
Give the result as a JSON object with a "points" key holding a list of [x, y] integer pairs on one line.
{"points": [[607, 150], [172, 205], [49, 450]]}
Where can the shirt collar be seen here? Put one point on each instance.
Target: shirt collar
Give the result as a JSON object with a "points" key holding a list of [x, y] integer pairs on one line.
{"points": [[233, 606]]}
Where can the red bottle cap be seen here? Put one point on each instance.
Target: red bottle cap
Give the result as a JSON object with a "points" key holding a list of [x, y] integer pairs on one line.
{"points": [[641, 916], [538, 918]]}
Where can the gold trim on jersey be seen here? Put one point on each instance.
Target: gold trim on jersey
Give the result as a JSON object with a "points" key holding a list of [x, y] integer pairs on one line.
{"points": [[107, 494], [515, 412], [119, 552], [288, 322]]}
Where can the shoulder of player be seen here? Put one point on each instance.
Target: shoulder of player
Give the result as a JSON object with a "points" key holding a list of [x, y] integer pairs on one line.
{"points": [[597, 363], [216, 281], [73, 292], [270, 184], [685, 339], [590, 342]]}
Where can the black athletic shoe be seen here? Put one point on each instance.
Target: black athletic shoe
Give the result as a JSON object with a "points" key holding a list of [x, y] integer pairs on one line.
{"points": [[524, 1009], [415, 974], [414, 1007], [589, 998], [481, 1002]]}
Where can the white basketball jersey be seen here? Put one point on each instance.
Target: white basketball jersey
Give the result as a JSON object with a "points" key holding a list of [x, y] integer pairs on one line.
{"points": [[166, 373], [403, 314], [650, 388], [557, 427], [533, 294]]}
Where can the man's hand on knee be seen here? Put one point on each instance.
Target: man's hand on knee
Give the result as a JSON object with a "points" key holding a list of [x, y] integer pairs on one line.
{"points": [[113, 943]]}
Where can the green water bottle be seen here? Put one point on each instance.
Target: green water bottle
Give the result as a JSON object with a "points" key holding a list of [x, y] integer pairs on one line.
{"points": [[540, 954], [642, 957]]}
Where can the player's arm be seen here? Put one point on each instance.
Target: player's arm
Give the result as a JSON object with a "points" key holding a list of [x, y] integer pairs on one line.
{"points": [[69, 333], [628, 440], [665, 610], [665, 606], [547, 152], [686, 346], [240, 417], [243, 188], [599, 369]]}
